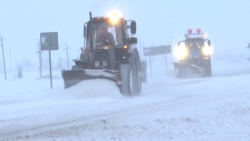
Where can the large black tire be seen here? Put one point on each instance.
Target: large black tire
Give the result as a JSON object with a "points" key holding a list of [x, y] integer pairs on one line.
{"points": [[131, 76], [125, 79], [207, 67], [136, 66]]}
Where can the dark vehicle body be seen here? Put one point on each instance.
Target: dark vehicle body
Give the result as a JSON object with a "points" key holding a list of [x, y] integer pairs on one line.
{"points": [[119, 62]]}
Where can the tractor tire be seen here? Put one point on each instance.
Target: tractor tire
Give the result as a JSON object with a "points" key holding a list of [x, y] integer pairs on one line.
{"points": [[130, 77], [136, 67], [125, 70], [207, 67]]}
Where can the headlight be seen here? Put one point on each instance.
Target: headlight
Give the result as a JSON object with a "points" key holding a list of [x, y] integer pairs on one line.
{"points": [[207, 50], [106, 47], [181, 52], [114, 16]]}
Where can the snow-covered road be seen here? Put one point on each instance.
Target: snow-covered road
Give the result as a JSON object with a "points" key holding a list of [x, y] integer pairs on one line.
{"points": [[216, 108]]}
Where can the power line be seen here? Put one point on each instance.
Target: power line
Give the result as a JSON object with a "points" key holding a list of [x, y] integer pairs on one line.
{"points": [[10, 59], [67, 52], [3, 57], [40, 57]]}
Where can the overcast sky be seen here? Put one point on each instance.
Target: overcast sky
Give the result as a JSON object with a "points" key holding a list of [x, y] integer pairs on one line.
{"points": [[22, 21]]}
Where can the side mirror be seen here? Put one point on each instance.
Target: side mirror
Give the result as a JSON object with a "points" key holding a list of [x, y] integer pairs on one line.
{"points": [[132, 40], [133, 27], [209, 43], [85, 31]]}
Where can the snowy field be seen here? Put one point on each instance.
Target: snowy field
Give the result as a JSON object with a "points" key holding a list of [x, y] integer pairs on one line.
{"points": [[191, 109]]}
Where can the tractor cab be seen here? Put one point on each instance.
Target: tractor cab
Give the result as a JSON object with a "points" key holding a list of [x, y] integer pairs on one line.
{"points": [[106, 37], [197, 41], [119, 29]]}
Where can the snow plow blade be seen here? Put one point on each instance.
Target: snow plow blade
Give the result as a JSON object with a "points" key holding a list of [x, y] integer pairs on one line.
{"points": [[183, 66], [73, 77]]}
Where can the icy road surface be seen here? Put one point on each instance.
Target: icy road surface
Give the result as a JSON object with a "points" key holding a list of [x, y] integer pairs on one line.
{"points": [[216, 108]]}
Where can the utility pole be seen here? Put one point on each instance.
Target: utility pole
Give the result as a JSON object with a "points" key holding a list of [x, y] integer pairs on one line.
{"points": [[40, 56], [10, 59], [215, 47], [171, 41], [170, 38], [140, 50], [67, 52], [166, 62], [3, 58]]}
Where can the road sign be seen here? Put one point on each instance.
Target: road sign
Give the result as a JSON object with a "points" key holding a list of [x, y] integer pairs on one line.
{"points": [[49, 41], [158, 50]]}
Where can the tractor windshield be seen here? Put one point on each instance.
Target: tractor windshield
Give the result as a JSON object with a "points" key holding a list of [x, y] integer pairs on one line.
{"points": [[108, 34], [197, 43]]}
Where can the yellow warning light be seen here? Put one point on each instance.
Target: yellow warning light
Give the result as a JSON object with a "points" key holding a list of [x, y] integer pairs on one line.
{"points": [[114, 16]]}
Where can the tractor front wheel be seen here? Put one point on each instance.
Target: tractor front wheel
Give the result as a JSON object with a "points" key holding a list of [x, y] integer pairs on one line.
{"points": [[207, 67]]}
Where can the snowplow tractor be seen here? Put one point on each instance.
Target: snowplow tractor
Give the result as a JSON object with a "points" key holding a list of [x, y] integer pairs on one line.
{"points": [[194, 55], [110, 53]]}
